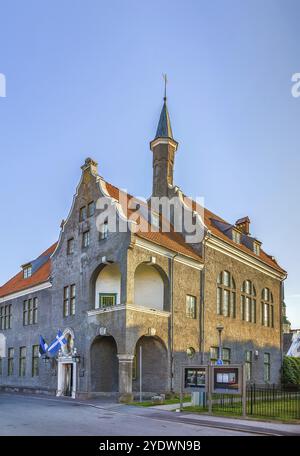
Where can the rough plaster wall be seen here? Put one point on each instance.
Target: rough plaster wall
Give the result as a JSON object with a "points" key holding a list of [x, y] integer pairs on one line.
{"points": [[108, 281], [148, 287]]}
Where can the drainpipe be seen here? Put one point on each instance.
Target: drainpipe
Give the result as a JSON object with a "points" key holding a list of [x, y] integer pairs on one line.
{"points": [[172, 320], [202, 298]]}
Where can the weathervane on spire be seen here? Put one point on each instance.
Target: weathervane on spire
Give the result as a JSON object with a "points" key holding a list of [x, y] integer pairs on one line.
{"points": [[166, 81]]}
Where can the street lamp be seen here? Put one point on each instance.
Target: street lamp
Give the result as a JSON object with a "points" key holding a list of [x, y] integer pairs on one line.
{"points": [[220, 328]]}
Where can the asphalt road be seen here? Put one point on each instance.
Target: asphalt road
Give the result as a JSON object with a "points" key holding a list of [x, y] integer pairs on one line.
{"points": [[42, 416]]}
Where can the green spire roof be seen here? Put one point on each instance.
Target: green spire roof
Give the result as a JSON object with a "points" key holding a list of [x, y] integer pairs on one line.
{"points": [[164, 129]]}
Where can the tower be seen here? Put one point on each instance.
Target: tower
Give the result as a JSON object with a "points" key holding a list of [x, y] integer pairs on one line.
{"points": [[163, 147]]}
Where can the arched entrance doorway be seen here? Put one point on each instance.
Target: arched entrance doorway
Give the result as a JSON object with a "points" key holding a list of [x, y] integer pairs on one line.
{"points": [[154, 370], [104, 365]]}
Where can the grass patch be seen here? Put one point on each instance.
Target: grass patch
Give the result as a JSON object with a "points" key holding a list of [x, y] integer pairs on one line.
{"points": [[261, 410], [173, 400]]}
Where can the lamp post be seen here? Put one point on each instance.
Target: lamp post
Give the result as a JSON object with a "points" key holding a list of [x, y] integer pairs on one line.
{"points": [[220, 328]]}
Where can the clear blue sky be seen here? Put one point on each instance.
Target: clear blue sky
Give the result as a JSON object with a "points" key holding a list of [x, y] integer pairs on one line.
{"points": [[84, 79]]}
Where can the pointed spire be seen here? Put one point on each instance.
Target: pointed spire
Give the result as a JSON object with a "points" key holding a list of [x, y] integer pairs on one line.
{"points": [[164, 129]]}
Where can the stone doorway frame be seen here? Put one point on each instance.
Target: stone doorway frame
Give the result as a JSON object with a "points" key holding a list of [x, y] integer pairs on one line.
{"points": [[61, 362]]}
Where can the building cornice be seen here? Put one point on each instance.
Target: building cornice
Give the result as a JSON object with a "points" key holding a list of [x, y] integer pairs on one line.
{"points": [[18, 294], [225, 248], [159, 250], [157, 312]]}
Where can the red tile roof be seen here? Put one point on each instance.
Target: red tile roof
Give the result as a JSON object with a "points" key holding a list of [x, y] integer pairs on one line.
{"points": [[208, 220], [171, 240], [18, 283]]}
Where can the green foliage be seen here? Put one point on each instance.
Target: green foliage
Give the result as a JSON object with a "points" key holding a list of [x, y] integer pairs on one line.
{"points": [[291, 370]]}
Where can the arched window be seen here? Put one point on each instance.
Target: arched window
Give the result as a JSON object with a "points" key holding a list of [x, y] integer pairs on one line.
{"points": [[248, 301], [226, 295], [267, 308]]}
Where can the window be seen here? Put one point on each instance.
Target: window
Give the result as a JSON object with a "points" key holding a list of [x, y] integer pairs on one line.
{"points": [[267, 308], [248, 301], [82, 214], [35, 361], [66, 301], [86, 239], [91, 209], [236, 236], [73, 299], [70, 246], [104, 231], [27, 272], [214, 355], [69, 300], [190, 306], [30, 309], [256, 248], [22, 362], [226, 295], [248, 364], [5, 317], [107, 300], [35, 311], [267, 367], [10, 361]]}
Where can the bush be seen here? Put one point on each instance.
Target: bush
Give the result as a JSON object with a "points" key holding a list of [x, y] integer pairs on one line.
{"points": [[291, 370]]}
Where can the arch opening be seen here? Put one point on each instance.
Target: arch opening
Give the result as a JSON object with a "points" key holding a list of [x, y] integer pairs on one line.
{"points": [[104, 365], [151, 287]]}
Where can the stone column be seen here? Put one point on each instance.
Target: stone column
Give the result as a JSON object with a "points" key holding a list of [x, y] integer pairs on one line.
{"points": [[125, 378]]}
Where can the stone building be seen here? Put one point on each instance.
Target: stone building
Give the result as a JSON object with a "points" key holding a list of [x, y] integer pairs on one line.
{"points": [[125, 295]]}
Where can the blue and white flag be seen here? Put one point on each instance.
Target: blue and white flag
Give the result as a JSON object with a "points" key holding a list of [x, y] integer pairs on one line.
{"points": [[57, 343], [42, 347]]}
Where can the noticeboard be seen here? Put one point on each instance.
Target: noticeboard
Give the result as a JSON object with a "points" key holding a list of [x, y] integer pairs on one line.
{"points": [[195, 378], [227, 379]]}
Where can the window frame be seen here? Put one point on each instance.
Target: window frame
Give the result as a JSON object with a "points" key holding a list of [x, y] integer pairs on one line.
{"points": [[86, 239], [249, 365], [267, 367], [107, 295], [22, 361], [248, 302], [191, 306], [70, 246], [27, 272], [82, 214], [35, 361], [91, 209], [10, 361], [267, 308], [226, 287]]}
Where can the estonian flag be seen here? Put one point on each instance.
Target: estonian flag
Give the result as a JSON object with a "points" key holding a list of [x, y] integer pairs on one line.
{"points": [[43, 346]]}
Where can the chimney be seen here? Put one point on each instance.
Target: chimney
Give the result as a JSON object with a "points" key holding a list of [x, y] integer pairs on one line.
{"points": [[243, 225], [91, 166]]}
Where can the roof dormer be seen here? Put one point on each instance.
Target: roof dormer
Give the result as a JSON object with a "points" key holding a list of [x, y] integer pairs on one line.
{"points": [[27, 270]]}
